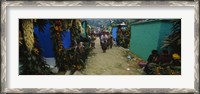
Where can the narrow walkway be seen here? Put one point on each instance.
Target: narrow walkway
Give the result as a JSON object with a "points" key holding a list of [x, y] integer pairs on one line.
{"points": [[113, 62]]}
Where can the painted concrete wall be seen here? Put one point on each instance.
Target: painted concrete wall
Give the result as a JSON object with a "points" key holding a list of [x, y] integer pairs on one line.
{"points": [[114, 33], [45, 41], [148, 36], [165, 30]]}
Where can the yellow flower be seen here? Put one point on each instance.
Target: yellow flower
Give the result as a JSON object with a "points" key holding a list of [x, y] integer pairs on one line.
{"points": [[173, 72], [56, 28], [176, 56], [36, 51]]}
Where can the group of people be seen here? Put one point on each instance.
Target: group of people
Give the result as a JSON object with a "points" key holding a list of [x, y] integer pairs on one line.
{"points": [[165, 60], [106, 39], [123, 38]]}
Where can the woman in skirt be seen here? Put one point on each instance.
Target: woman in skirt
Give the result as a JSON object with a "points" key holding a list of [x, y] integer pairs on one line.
{"points": [[104, 39]]}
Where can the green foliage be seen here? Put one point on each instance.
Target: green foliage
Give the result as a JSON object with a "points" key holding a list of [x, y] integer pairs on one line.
{"points": [[56, 35], [75, 57], [31, 63], [173, 41]]}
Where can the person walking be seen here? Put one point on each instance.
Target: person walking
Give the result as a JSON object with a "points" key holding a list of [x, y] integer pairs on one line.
{"points": [[111, 41], [93, 38], [104, 39]]}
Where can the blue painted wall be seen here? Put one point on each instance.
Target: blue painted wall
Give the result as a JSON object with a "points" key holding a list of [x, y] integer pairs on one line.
{"points": [[66, 39], [148, 36], [45, 41], [114, 32]]}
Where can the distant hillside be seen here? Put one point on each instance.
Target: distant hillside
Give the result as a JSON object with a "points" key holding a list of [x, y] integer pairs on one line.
{"points": [[104, 22]]}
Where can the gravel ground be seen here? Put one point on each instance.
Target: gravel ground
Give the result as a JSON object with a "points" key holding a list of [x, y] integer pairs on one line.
{"points": [[113, 62]]}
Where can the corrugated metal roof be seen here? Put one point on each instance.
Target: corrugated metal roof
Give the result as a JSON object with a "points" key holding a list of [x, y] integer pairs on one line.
{"points": [[145, 21]]}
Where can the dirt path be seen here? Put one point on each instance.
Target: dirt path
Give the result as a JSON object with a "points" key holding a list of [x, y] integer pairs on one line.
{"points": [[113, 62]]}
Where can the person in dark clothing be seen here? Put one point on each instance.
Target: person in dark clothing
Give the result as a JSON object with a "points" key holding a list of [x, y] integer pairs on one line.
{"points": [[104, 39], [165, 58], [100, 34], [176, 60], [153, 58], [119, 37], [111, 41], [93, 38]]}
